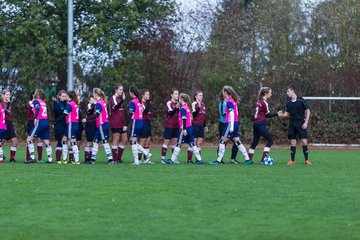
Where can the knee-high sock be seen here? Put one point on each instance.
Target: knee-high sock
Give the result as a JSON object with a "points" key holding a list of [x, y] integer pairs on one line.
{"points": [[120, 152], [65, 149], [141, 149], [292, 152], [108, 151], [306, 152], [266, 152], [31, 150], [242, 149], [1, 153], [176, 153], [163, 151], [115, 151], [196, 152], [95, 150], [39, 148], [134, 149], [49, 152], [221, 151], [76, 153], [190, 153], [251, 153], [12, 152]]}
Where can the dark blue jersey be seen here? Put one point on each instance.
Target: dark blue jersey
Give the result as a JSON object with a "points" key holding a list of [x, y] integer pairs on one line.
{"points": [[296, 109], [59, 108]]}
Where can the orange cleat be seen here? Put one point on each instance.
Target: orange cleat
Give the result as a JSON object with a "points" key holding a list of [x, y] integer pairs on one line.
{"points": [[291, 162], [307, 162]]}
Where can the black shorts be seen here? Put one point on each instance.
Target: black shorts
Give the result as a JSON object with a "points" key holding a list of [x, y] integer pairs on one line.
{"points": [[198, 131], [59, 131], [170, 133], [295, 130], [30, 126], [117, 130], [90, 130], [79, 135], [145, 131], [10, 131]]}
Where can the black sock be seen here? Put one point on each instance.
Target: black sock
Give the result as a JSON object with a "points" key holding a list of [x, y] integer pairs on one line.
{"points": [[306, 152], [234, 151], [292, 152]]}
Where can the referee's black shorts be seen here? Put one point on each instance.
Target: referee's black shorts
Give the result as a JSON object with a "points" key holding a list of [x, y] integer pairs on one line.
{"points": [[295, 130]]}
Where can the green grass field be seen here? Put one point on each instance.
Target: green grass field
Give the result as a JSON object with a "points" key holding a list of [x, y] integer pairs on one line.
{"points": [[321, 201]]}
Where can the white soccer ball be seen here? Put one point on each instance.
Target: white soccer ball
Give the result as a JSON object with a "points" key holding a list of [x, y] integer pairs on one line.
{"points": [[268, 160]]}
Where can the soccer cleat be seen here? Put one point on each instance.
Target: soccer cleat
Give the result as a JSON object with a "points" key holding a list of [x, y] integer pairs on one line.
{"points": [[135, 163], [291, 162], [61, 162], [12, 160], [42, 161], [148, 157], [169, 161], [176, 161], [248, 162], [215, 163], [111, 162], [30, 161], [262, 162], [234, 161], [307, 162], [199, 162], [75, 162], [190, 162]]}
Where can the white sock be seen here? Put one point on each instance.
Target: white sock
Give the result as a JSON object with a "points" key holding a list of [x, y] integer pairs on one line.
{"points": [[243, 151], [95, 150], [1, 153], [31, 150], [108, 151], [221, 152], [65, 149], [175, 153], [196, 152], [76, 153], [141, 149], [49, 152], [134, 149]]}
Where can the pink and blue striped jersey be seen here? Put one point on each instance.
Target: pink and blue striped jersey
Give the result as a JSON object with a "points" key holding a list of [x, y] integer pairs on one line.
{"points": [[72, 111], [185, 113], [136, 107], [231, 105], [100, 108], [39, 103], [2, 118]]}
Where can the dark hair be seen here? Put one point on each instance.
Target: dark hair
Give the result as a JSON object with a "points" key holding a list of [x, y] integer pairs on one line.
{"points": [[196, 93], [100, 93], [263, 91], [221, 97], [73, 96], [172, 90], [144, 91], [116, 87], [230, 91], [292, 87], [32, 95], [135, 91], [39, 93]]}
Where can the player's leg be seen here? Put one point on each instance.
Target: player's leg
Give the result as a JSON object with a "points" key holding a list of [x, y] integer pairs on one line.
{"points": [[115, 143], [292, 137], [124, 140]]}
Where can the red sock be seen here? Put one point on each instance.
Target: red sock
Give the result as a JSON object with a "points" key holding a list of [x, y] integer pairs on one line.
{"points": [[190, 153], [266, 152], [12, 153], [251, 153], [139, 156], [120, 152], [27, 154], [163, 150], [114, 150], [57, 154], [71, 153], [39, 151]]}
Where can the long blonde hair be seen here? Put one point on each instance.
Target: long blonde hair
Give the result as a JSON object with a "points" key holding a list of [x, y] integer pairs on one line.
{"points": [[100, 93], [230, 91]]}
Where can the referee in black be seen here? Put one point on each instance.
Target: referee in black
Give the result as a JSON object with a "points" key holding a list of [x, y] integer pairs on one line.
{"points": [[299, 113]]}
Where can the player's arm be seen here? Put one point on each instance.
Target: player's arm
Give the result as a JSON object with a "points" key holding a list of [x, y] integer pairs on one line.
{"points": [[183, 119], [230, 107], [66, 111], [96, 115], [171, 110], [115, 104], [195, 110], [307, 117], [131, 113], [147, 106]]}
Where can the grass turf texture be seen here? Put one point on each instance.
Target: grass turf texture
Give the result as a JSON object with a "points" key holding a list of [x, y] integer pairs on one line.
{"points": [[159, 201]]}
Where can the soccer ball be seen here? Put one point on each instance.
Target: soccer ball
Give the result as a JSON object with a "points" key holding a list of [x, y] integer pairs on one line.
{"points": [[268, 160]]}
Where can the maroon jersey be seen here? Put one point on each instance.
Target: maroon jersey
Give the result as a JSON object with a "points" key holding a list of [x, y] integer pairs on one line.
{"points": [[147, 113], [199, 113], [30, 113], [171, 119], [117, 112], [90, 111], [8, 112], [262, 108]]}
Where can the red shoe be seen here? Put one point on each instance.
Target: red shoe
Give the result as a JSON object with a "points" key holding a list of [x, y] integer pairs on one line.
{"points": [[307, 162], [291, 162]]}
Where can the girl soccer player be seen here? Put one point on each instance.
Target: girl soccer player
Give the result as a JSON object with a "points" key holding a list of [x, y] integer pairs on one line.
{"points": [[117, 122], [136, 115], [222, 113], [59, 121], [41, 127], [172, 126], [198, 122], [10, 130], [30, 125], [145, 133], [2, 128], [231, 126], [102, 126], [262, 112], [186, 134], [72, 128], [90, 128]]}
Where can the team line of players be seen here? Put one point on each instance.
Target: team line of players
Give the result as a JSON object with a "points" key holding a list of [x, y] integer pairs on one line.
{"points": [[185, 122]]}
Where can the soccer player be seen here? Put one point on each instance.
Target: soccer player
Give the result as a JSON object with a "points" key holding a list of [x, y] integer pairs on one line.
{"points": [[72, 128], [172, 127], [117, 122], [102, 126], [136, 115], [145, 133], [30, 125], [41, 127], [10, 130], [59, 121], [221, 128], [186, 134], [260, 129], [299, 113], [90, 128], [2, 128], [231, 126], [198, 122]]}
